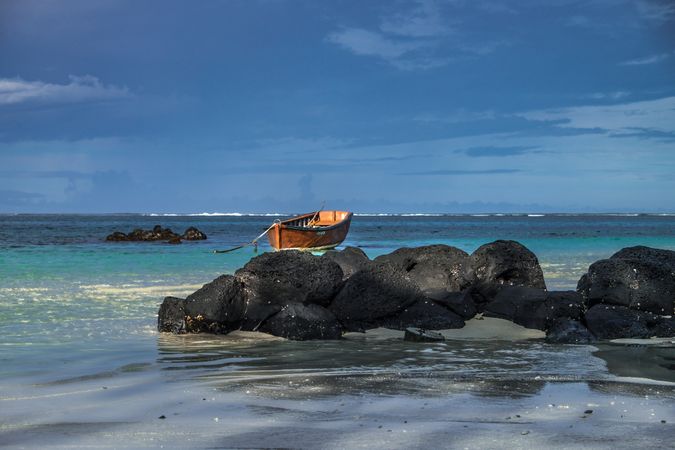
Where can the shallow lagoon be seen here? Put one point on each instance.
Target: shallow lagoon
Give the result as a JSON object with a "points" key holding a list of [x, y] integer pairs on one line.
{"points": [[83, 365]]}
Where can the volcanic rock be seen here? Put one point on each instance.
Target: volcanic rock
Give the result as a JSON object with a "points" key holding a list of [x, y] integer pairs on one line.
{"points": [[432, 268], [277, 279], [156, 234], [371, 294], [664, 327], [505, 263], [567, 331], [639, 278], [517, 304], [460, 303], [350, 260], [301, 322], [171, 316], [193, 234], [614, 322], [420, 335], [535, 308], [117, 236], [300, 296], [218, 307], [424, 314]]}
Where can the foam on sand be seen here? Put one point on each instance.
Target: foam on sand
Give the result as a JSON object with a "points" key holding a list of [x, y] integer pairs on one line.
{"points": [[133, 290]]}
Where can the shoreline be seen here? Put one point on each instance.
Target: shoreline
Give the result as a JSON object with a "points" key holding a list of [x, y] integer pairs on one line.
{"points": [[311, 404]]}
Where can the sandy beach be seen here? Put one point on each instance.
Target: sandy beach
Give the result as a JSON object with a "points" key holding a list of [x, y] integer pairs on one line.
{"points": [[198, 394]]}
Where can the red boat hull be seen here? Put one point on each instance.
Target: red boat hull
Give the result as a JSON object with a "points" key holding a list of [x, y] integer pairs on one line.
{"points": [[321, 230]]}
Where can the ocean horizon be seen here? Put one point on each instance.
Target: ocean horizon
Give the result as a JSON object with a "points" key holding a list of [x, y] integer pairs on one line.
{"points": [[364, 214]]}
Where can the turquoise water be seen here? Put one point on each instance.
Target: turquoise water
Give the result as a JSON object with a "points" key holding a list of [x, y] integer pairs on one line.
{"points": [[78, 316], [62, 285], [61, 282]]}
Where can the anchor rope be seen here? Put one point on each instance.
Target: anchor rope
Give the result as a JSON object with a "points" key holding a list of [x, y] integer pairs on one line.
{"points": [[253, 242]]}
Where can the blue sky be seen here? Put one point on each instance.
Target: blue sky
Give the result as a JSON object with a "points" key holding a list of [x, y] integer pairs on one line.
{"points": [[393, 106]]}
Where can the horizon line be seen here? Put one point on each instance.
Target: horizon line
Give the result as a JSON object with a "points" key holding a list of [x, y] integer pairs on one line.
{"points": [[272, 214]]}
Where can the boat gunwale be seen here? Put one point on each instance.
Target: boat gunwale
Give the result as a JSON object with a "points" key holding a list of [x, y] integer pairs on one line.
{"points": [[284, 224]]}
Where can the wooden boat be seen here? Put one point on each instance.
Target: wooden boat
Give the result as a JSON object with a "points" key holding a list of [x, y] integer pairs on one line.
{"points": [[320, 230]]}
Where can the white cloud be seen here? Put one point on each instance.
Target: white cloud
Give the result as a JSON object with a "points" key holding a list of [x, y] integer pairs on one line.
{"points": [[79, 89], [652, 59], [369, 43], [413, 39], [658, 115]]}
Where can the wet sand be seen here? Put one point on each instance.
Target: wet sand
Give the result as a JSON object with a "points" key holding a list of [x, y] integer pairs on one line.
{"points": [[200, 393], [128, 415]]}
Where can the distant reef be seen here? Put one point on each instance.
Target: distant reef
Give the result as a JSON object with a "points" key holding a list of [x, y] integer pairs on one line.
{"points": [[157, 234], [300, 296]]}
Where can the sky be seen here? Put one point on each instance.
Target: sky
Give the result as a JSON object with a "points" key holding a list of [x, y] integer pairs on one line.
{"points": [[370, 106]]}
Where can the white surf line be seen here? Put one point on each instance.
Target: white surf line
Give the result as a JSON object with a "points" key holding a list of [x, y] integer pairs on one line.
{"points": [[110, 289]]}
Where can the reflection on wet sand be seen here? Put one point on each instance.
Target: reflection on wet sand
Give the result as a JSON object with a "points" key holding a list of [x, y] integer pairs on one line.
{"points": [[652, 359], [379, 390], [381, 363], [368, 364]]}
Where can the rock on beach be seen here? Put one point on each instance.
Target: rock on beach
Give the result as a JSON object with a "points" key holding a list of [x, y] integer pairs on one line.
{"points": [[373, 294], [639, 278], [297, 295], [350, 260], [432, 268], [275, 280]]}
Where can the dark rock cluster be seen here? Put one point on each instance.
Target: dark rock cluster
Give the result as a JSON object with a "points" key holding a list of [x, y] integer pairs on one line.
{"points": [[157, 234], [300, 296]]}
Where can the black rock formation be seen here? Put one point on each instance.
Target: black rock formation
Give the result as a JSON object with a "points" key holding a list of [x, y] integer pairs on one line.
{"points": [[424, 314], [218, 307], [193, 234], [277, 279], [613, 322], [350, 260], [640, 278], [567, 331], [413, 334], [535, 308], [156, 234], [461, 303], [171, 316], [300, 296], [303, 322], [372, 294], [505, 263], [433, 268]]}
